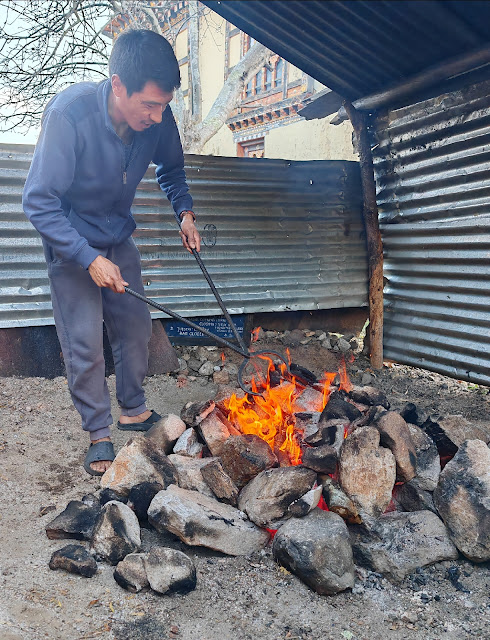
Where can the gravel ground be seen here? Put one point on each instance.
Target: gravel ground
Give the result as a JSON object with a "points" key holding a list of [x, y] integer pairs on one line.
{"points": [[41, 453]]}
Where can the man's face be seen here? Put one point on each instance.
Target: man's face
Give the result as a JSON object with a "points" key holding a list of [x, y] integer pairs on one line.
{"points": [[141, 109]]}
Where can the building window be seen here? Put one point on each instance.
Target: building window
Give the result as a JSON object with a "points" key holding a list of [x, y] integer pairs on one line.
{"points": [[258, 82], [278, 73], [251, 148], [268, 78]]}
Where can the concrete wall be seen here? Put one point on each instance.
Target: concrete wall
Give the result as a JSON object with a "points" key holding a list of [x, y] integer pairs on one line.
{"points": [[311, 140]]}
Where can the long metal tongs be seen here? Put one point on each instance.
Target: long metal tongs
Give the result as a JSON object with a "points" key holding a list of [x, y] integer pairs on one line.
{"points": [[242, 349]]}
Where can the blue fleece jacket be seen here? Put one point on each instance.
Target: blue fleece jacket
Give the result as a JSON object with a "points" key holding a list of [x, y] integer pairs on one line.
{"points": [[80, 189]]}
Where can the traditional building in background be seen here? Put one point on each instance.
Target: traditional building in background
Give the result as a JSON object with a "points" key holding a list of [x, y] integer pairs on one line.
{"points": [[271, 99], [264, 121]]}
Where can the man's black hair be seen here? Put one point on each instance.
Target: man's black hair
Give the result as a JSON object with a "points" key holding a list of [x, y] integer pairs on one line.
{"points": [[139, 56]]}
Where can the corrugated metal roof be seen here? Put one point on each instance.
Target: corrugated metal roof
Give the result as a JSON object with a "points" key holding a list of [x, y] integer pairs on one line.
{"points": [[432, 167], [289, 237], [358, 47]]}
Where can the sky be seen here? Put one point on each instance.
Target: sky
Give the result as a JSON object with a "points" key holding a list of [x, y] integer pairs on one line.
{"points": [[19, 137]]}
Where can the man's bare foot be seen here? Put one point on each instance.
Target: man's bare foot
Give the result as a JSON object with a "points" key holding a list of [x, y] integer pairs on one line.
{"points": [[101, 465], [139, 418]]}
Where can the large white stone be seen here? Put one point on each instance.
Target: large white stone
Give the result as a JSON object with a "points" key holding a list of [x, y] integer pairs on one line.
{"points": [[202, 521], [137, 462]]}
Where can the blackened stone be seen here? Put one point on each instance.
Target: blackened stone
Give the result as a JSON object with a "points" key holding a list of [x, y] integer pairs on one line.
{"points": [[338, 407], [370, 396], [91, 500], [139, 460], [194, 412], [106, 495], [77, 522], [202, 521], [316, 549], [462, 498], [410, 413], [130, 573], [395, 434], [307, 425], [267, 496], [140, 497], [170, 571], [339, 502], [243, 457], [219, 481], [445, 445], [75, 559], [188, 444], [304, 505], [302, 373], [368, 418], [322, 459], [410, 497], [428, 461], [116, 533], [397, 543], [275, 378], [449, 432]]}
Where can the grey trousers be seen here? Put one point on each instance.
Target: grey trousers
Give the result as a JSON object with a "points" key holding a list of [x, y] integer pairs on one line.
{"points": [[80, 308]]}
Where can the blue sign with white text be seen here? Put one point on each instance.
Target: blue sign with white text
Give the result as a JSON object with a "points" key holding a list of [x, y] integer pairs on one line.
{"points": [[179, 332]]}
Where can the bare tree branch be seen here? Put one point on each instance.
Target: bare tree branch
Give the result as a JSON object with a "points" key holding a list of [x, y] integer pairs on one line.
{"points": [[255, 58], [45, 45]]}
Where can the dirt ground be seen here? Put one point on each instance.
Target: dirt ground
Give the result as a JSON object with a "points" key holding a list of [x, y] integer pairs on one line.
{"points": [[41, 453]]}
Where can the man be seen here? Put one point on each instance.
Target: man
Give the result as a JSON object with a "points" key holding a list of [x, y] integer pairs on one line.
{"points": [[96, 143]]}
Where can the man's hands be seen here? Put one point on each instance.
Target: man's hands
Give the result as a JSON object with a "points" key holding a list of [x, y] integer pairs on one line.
{"points": [[106, 274], [189, 234]]}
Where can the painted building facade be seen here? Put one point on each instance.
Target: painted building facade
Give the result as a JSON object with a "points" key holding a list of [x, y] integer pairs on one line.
{"points": [[265, 122]]}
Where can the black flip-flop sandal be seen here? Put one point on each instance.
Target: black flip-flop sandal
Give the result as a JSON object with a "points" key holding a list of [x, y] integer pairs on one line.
{"points": [[98, 451], [140, 426]]}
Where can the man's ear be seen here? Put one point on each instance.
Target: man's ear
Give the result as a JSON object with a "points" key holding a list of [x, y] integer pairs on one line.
{"points": [[117, 86]]}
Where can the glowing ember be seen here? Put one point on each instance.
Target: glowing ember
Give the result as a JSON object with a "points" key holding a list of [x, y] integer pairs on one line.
{"points": [[271, 415]]}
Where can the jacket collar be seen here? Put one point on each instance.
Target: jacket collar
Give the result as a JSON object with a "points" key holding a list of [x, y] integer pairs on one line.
{"points": [[103, 90]]}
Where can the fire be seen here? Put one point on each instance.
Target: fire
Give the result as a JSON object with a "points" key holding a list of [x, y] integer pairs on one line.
{"points": [[327, 390], [271, 415], [345, 383], [255, 334]]}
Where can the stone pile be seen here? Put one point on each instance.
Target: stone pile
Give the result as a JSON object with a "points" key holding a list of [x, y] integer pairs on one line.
{"points": [[370, 491], [208, 364]]}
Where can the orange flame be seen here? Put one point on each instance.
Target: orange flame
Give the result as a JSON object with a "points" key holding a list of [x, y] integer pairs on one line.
{"points": [[255, 334], [271, 415], [223, 358], [345, 383], [329, 378]]}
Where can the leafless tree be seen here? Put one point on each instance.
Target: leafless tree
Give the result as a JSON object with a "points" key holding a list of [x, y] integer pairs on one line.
{"points": [[45, 45]]}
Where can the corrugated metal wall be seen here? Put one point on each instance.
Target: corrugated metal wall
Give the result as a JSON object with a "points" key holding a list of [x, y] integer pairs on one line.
{"points": [[289, 237], [433, 176]]}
